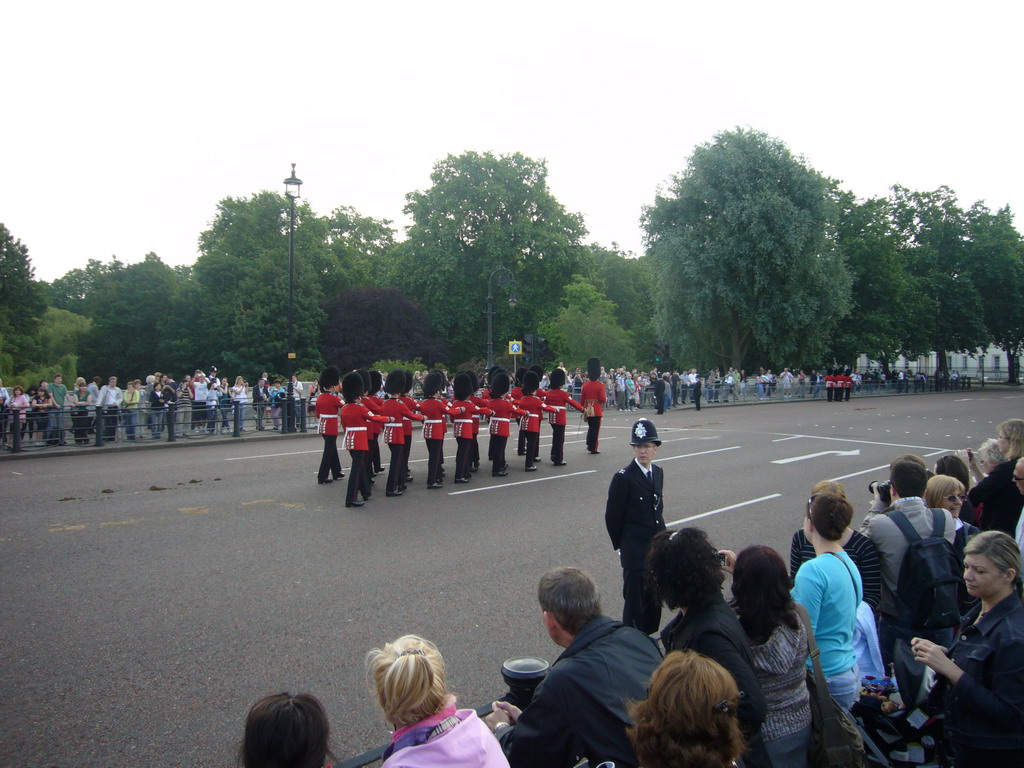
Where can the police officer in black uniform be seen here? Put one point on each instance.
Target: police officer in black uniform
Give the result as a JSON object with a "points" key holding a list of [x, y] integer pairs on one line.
{"points": [[633, 515]]}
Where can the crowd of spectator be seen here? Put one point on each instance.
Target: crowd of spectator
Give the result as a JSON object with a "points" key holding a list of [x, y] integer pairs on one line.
{"points": [[731, 688]]}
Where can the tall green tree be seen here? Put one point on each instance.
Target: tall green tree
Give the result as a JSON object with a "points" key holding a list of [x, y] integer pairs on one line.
{"points": [[995, 265], [481, 212], [629, 284], [239, 296], [359, 246], [132, 320], [934, 229], [73, 291], [586, 326], [746, 272], [22, 303]]}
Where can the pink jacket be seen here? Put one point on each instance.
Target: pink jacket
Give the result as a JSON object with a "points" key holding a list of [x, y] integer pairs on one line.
{"points": [[468, 745]]}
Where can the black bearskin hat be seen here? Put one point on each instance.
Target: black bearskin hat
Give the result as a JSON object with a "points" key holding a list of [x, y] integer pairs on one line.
{"points": [[433, 383], [593, 369], [530, 382], [376, 381], [499, 384], [408, 381], [494, 372], [367, 383], [329, 378], [352, 386], [395, 384], [463, 385], [557, 378], [539, 370], [520, 372]]}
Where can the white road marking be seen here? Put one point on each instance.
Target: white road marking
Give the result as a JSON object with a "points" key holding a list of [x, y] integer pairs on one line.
{"points": [[701, 453], [857, 474], [273, 455], [854, 452], [784, 439], [521, 482], [723, 509]]}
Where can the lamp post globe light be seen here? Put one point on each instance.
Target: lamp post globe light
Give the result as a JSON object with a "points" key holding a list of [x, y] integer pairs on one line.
{"points": [[504, 277], [291, 191]]}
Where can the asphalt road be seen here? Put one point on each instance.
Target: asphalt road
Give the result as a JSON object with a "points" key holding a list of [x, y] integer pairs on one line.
{"points": [[148, 598]]}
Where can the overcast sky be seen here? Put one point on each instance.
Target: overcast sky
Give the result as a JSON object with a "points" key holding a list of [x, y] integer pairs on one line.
{"points": [[125, 123]]}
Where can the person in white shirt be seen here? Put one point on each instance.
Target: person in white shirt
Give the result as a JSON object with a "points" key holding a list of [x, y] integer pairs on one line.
{"points": [[108, 401]]}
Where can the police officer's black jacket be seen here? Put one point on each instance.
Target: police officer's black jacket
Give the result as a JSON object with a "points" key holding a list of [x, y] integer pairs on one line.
{"points": [[634, 513], [580, 708]]}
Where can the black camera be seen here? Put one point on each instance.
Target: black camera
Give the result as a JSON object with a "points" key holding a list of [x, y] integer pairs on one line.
{"points": [[884, 490]]}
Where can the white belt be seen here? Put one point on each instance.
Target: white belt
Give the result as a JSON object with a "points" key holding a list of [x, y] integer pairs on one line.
{"points": [[333, 418], [433, 421], [393, 426], [463, 421], [499, 418], [558, 407], [355, 429]]}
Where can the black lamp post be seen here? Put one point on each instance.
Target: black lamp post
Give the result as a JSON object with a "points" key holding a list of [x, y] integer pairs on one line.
{"points": [[291, 191], [505, 277]]}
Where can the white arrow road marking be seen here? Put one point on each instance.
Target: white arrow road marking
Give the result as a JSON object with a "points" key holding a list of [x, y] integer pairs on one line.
{"points": [[854, 452]]}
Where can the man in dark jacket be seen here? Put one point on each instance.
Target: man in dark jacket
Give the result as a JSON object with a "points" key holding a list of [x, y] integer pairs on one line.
{"points": [[633, 516], [579, 711]]}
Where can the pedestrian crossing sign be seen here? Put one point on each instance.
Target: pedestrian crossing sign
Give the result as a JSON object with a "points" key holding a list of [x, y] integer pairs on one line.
{"points": [[515, 347]]}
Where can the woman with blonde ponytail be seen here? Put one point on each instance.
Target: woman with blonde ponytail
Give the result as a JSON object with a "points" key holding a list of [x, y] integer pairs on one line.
{"points": [[428, 730]]}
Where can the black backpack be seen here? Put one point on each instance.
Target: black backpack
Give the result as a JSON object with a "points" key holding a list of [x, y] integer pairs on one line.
{"points": [[927, 590]]}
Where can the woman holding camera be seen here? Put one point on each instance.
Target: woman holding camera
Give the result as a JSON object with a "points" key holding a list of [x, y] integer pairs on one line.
{"points": [[686, 573], [996, 490], [984, 670]]}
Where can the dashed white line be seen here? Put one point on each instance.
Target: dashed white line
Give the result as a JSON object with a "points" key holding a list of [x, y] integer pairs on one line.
{"points": [[700, 453], [521, 482]]}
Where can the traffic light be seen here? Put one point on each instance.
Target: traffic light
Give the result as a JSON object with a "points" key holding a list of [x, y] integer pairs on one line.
{"points": [[529, 347], [660, 352], [540, 349]]}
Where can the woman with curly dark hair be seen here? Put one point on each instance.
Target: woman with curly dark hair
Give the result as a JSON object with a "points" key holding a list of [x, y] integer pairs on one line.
{"points": [[760, 589], [685, 572], [689, 717]]}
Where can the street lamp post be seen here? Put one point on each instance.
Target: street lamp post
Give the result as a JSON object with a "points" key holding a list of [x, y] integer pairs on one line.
{"points": [[291, 191], [505, 277]]}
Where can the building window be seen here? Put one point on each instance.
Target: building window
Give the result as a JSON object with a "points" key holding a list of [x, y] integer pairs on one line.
{"points": [[996, 362], [964, 366]]}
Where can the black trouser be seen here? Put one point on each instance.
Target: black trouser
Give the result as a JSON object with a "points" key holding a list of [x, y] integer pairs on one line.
{"points": [[639, 608], [375, 453], [110, 422], [462, 456], [696, 397], [521, 445], [846, 394], [557, 442], [593, 430], [81, 420], [829, 391], [407, 475], [329, 462], [474, 449], [496, 452], [358, 479], [532, 448], [396, 470], [434, 457]]}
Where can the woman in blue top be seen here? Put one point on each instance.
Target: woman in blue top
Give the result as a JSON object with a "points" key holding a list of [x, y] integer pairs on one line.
{"points": [[829, 587]]}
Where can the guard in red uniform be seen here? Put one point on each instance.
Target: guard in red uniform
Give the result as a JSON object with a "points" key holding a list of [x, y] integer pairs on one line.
{"points": [[372, 381], [502, 412], [434, 408], [328, 404], [593, 396], [830, 385], [558, 399], [394, 431], [356, 418], [533, 405], [517, 395], [463, 423], [540, 393]]}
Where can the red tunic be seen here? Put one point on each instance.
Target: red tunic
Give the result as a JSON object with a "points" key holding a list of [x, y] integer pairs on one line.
{"points": [[502, 412], [533, 405], [594, 393], [434, 410], [463, 419], [396, 410], [413, 405], [374, 404], [327, 406], [559, 399], [356, 417], [480, 402]]}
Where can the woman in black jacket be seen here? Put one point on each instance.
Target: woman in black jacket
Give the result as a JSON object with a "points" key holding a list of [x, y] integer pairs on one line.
{"points": [[686, 573], [996, 491]]}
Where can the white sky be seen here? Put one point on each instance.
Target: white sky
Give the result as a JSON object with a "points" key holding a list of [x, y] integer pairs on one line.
{"points": [[125, 123]]}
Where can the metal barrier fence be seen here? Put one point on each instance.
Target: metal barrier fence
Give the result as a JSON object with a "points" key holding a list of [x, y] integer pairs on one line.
{"points": [[22, 430], [83, 426]]}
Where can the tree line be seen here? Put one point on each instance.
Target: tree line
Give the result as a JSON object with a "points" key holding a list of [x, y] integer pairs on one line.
{"points": [[753, 258]]}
